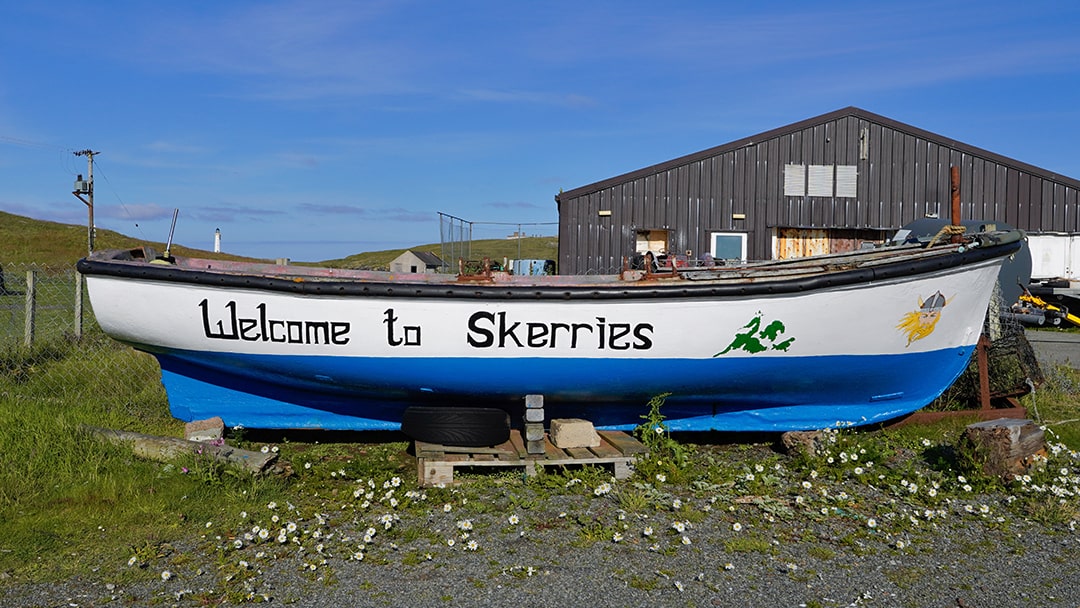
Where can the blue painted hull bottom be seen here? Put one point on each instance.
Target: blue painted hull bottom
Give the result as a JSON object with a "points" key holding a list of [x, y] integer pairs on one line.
{"points": [[742, 394]]}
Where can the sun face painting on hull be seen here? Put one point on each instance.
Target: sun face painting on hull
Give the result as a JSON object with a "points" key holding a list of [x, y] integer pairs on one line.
{"points": [[846, 339]]}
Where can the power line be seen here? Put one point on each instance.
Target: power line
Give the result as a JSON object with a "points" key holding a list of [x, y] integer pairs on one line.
{"points": [[30, 144], [116, 195], [64, 153]]}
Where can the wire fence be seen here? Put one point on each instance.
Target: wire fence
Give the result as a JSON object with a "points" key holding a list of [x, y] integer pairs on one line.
{"points": [[456, 235], [41, 304]]}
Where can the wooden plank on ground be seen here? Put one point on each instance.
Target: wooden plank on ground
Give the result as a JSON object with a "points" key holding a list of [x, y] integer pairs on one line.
{"points": [[578, 452], [423, 447], [606, 450], [623, 442], [436, 463], [550, 451], [518, 442]]}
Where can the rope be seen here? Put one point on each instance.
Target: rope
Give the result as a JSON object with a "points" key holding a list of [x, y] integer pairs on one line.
{"points": [[947, 229], [1034, 406]]}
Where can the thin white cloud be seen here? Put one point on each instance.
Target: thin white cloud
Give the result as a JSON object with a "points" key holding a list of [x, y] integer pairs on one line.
{"points": [[515, 205], [65, 214], [529, 97], [232, 213], [390, 214], [174, 147], [136, 212], [285, 50]]}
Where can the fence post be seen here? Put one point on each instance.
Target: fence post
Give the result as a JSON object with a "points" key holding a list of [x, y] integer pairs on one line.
{"points": [[78, 304], [31, 307]]}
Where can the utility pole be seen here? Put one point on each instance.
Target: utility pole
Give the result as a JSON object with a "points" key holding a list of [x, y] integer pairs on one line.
{"points": [[86, 187]]}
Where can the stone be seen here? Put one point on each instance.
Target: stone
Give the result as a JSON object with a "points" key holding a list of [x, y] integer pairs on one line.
{"points": [[211, 429], [806, 443], [534, 415], [573, 433], [534, 401]]}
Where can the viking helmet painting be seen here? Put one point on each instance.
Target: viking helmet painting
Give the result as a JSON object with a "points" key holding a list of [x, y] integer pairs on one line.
{"points": [[920, 323]]}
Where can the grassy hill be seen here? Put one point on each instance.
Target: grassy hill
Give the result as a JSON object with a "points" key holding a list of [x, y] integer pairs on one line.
{"points": [[528, 248], [25, 240]]}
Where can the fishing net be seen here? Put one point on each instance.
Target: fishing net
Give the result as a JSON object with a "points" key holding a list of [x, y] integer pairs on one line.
{"points": [[1012, 368]]}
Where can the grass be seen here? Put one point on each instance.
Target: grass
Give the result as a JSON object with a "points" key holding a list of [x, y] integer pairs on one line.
{"points": [[527, 248], [26, 241], [67, 500], [70, 504]]}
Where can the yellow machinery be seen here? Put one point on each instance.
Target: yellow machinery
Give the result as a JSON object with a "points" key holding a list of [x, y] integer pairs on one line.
{"points": [[1041, 308]]}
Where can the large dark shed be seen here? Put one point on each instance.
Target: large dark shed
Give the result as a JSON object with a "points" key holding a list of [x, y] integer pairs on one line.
{"points": [[828, 183]]}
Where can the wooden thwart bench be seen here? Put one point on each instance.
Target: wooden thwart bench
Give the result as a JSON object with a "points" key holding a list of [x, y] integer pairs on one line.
{"points": [[436, 463]]}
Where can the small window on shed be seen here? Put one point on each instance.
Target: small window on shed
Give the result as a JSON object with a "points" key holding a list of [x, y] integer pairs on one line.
{"points": [[729, 246], [412, 269]]}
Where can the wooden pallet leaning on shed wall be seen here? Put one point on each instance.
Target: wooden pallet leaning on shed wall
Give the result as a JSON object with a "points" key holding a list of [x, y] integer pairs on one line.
{"points": [[436, 463]]}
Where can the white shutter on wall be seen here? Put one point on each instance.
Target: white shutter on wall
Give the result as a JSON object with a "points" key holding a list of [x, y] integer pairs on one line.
{"points": [[846, 180], [794, 180], [821, 180]]}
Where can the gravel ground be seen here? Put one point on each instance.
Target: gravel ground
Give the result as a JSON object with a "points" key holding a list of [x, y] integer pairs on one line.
{"points": [[961, 566], [733, 549]]}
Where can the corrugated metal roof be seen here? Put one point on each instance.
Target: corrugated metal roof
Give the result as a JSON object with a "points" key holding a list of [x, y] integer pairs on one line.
{"points": [[428, 258], [850, 111]]}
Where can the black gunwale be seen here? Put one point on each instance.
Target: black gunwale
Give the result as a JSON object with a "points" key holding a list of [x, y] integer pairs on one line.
{"points": [[493, 291]]}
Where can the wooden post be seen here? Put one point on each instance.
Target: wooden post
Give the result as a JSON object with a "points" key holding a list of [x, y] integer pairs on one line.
{"points": [[954, 188], [165, 449], [31, 308], [983, 361], [78, 305]]}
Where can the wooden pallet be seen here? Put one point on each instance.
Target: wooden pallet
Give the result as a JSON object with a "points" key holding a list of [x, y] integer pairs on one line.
{"points": [[436, 463]]}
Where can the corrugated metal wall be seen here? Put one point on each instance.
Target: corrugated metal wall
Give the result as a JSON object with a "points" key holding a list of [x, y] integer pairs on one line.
{"points": [[902, 175]]}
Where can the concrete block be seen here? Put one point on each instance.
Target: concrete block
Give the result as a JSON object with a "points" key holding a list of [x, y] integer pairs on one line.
{"points": [[534, 401], [211, 429], [573, 433], [534, 415], [535, 447], [534, 431]]}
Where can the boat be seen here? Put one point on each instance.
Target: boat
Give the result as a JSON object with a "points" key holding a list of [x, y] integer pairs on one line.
{"points": [[843, 339]]}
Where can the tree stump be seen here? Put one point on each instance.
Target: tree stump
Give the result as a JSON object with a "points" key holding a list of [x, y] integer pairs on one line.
{"points": [[1005, 447]]}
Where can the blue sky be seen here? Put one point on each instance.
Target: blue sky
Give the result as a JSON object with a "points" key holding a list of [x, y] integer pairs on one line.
{"points": [[317, 129]]}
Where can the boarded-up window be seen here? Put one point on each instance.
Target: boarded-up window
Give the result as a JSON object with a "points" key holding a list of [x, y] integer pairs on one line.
{"points": [[820, 181], [794, 180], [655, 241]]}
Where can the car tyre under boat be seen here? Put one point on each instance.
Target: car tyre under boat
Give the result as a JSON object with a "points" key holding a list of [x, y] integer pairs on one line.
{"points": [[457, 426]]}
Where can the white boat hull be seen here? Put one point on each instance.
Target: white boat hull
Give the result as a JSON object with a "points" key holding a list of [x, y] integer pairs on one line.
{"points": [[859, 352]]}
